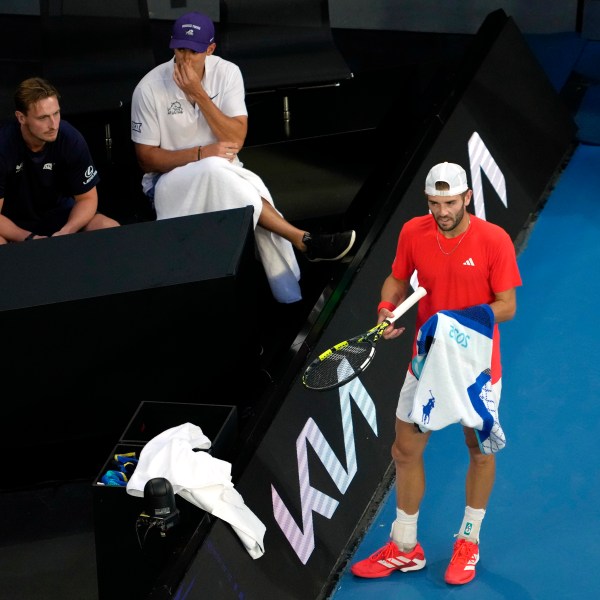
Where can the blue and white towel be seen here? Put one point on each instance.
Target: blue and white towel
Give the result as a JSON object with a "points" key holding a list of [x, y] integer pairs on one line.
{"points": [[453, 366]]}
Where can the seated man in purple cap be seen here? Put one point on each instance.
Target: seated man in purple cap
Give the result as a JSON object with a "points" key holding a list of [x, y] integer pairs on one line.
{"points": [[188, 123]]}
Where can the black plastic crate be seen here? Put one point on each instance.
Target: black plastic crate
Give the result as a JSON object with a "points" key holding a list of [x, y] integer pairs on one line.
{"points": [[218, 423], [129, 566]]}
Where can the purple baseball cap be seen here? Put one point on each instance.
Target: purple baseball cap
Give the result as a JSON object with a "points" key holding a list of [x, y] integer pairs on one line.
{"points": [[194, 31]]}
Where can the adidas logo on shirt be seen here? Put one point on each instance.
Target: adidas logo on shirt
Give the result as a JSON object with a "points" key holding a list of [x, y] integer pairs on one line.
{"points": [[469, 262]]}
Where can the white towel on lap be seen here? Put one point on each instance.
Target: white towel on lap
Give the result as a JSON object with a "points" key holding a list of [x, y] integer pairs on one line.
{"points": [[453, 366], [214, 184], [200, 479]]}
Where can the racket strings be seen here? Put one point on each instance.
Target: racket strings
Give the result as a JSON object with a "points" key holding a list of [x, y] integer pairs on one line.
{"points": [[338, 367]]}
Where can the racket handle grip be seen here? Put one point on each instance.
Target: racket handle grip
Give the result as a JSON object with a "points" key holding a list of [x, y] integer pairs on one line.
{"points": [[408, 303]]}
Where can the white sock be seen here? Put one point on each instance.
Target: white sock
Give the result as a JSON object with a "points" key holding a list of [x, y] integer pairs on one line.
{"points": [[404, 530], [469, 530]]}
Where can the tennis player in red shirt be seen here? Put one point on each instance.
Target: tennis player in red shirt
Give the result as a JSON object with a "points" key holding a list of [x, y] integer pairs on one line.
{"points": [[462, 261]]}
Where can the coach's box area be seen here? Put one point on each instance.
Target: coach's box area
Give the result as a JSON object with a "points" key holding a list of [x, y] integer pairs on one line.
{"points": [[154, 561], [94, 323]]}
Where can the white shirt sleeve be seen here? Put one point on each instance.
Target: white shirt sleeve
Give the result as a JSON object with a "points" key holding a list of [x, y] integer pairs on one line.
{"points": [[145, 127]]}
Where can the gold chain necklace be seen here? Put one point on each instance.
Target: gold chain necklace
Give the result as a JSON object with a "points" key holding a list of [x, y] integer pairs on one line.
{"points": [[437, 237]]}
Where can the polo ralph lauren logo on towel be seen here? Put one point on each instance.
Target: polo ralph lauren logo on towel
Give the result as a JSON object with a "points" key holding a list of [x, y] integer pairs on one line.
{"points": [[427, 408]]}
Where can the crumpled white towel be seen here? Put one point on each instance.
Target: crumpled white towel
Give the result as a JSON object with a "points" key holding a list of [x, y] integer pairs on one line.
{"points": [[200, 479], [214, 184]]}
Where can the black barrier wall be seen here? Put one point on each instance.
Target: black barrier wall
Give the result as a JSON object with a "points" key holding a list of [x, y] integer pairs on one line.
{"points": [[96, 322], [326, 455]]}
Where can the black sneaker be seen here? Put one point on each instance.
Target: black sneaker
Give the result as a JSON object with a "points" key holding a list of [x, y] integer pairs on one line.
{"points": [[328, 246]]}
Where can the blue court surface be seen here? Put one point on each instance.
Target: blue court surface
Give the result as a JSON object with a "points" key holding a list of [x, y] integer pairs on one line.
{"points": [[541, 535]]}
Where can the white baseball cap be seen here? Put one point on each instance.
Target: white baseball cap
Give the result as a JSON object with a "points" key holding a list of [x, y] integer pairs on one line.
{"points": [[454, 175]]}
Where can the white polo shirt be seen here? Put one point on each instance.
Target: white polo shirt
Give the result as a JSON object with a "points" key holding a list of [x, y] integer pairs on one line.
{"points": [[162, 116]]}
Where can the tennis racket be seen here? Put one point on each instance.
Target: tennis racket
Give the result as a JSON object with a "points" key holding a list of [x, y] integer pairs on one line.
{"points": [[344, 361]]}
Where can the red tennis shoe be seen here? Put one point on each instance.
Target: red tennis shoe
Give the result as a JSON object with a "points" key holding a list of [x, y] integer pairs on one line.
{"points": [[388, 559], [462, 564]]}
